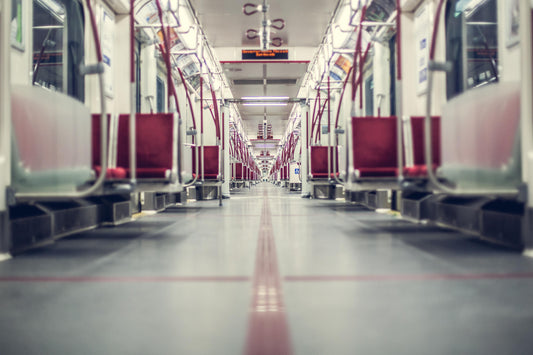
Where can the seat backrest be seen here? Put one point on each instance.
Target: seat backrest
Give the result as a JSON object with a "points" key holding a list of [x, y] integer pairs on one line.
{"points": [[319, 160], [211, 162], [238, 171], [96, 138], [154, 140], [417, 127], [374, 142]]}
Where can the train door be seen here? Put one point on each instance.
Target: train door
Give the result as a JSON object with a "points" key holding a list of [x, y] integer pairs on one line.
{"points": [[5, 120], [524, 22]]}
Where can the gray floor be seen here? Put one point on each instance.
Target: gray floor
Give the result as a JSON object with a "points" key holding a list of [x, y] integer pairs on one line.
{"points": [[185, 282]]}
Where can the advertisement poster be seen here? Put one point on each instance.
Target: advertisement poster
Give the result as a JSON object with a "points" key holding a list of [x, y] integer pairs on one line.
{"points": [[422, 33], [17, 25]]}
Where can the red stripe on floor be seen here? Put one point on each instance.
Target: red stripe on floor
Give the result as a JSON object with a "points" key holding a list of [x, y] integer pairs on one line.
{"points": [[408, 277], [126, 279], [268, 332]]}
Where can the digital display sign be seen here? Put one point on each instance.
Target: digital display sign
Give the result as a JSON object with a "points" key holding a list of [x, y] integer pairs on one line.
{"points": [[273, 54]]}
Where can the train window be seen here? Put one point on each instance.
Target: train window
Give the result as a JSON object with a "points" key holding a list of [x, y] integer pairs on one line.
{"points": [[137, 76], [58, 46], [392, 70], [471, 44], [160, 95], [369, 96]]}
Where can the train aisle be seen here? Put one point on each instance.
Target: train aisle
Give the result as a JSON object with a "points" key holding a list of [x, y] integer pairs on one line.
{"points": [[267, 273]]}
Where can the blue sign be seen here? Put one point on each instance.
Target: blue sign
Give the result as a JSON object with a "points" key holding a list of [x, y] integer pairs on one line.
{"points": [[297, 171]]}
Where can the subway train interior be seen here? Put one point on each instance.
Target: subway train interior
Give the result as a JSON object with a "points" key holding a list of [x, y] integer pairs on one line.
{"points": [[276, 177]]}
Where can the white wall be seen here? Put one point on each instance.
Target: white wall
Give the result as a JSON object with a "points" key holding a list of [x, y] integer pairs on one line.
{"points": [[508, 56], [120, 100], [148, 79], [92, 88], [121, 70], [414, 103], [382, 79]]}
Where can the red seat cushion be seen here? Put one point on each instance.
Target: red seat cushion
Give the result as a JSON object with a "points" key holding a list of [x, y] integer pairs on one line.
{"points": [[412, 171], [150, 173], [377, 172], [112, 173], [417, 170], [324, 175]]}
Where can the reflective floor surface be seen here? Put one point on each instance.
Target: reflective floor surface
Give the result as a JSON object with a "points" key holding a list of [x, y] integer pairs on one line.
{"points": [[267, 273]]}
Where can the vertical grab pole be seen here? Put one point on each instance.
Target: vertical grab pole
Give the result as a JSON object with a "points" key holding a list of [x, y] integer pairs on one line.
{"points": [[132, 152], [399, 93], [226, 146], [310, 139], [202, 150], [305, 152], [355, 55], [329, 129]]}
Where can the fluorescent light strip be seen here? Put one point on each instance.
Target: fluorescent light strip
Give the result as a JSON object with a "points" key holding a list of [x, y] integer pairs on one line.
{"points": [[264, 104], [265, 98]]}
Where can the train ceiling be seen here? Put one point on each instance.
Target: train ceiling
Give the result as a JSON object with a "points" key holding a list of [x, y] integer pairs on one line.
{"points": [[225, 25]]}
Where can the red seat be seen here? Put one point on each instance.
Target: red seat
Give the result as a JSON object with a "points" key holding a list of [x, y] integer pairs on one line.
{"points": [[374, 146], [319, 162], [211, 162], [154, 144], [112, 173], [237, 171], [419, 169]]}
